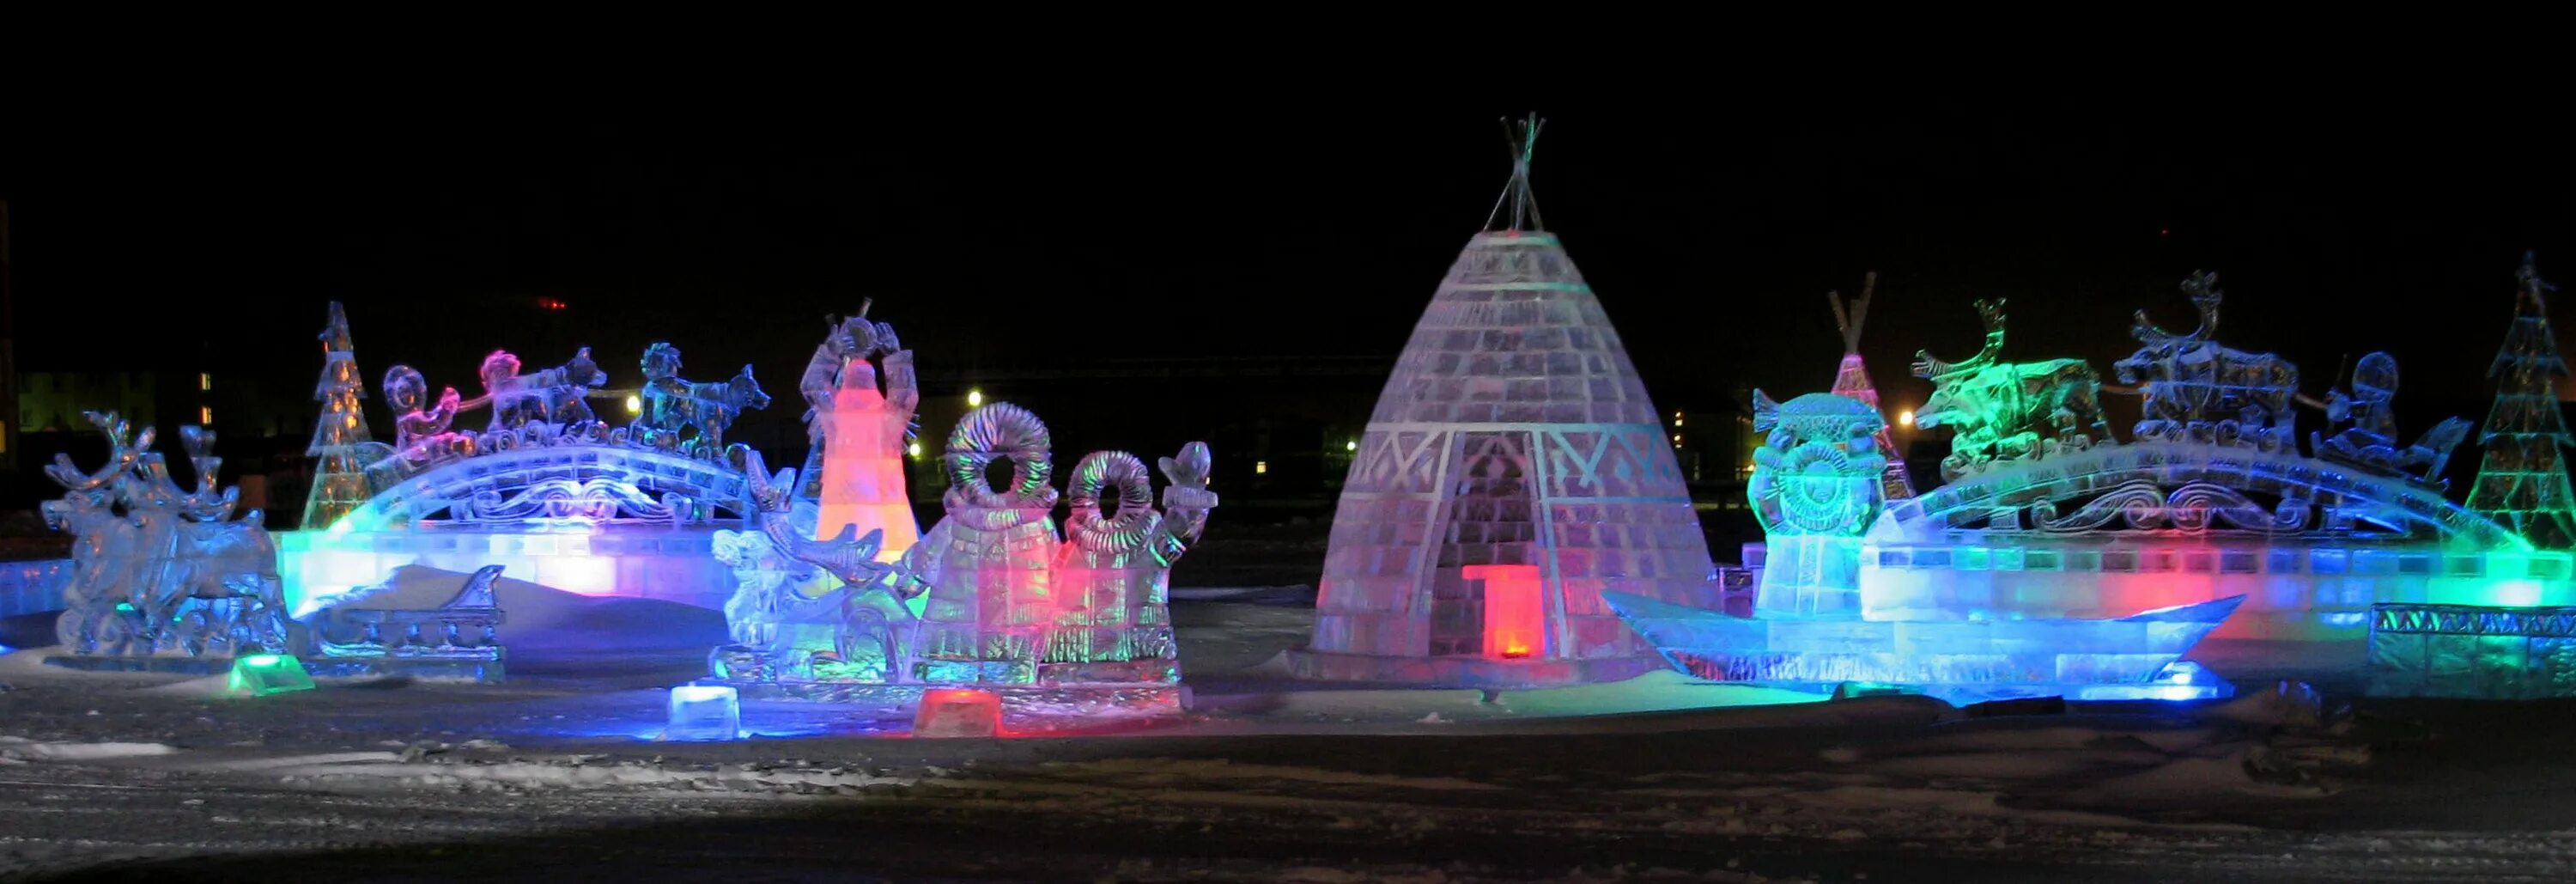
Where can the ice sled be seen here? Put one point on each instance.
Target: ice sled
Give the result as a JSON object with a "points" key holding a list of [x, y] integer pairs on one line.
{"points": [[2077, 658]]}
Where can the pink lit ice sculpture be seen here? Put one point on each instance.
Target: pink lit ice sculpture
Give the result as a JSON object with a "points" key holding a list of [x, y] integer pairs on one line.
{"points": [[860, 431]]}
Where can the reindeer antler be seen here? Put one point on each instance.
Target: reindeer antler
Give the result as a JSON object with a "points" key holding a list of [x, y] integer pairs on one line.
{"points": [[1991, 312], [121, 455], [2202, 287], [208, 504]]}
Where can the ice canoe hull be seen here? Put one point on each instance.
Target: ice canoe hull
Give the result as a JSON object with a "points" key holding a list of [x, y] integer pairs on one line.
{"points": [[1717, 646]]}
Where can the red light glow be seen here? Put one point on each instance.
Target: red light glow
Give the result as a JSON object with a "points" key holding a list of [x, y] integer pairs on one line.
{"points": [[958, 712], [1515, 621]]}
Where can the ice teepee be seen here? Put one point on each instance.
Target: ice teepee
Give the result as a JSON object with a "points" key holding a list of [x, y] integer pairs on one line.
{"points": [[1852, 380], [2522, 480], [1512, 471], [340, 439]]}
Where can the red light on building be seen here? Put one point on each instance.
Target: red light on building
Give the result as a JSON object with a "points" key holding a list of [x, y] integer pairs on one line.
{"points": [[552, 304], [1515, 620]]}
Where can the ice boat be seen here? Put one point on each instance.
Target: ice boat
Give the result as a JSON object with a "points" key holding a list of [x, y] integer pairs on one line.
{"points": [[2133, 657]]}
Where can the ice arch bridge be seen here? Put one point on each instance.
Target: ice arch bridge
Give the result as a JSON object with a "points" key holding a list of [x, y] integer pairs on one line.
{"points": [[593, 517], [2114, 529]]}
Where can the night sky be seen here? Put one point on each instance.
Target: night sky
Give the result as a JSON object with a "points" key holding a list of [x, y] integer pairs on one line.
{"points": [[1065, 226]]}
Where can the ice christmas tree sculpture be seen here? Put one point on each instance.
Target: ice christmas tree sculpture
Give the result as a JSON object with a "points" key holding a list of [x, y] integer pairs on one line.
{"points": [[340, 438], [2522, 481], [1851, 380], [1512, 470]]}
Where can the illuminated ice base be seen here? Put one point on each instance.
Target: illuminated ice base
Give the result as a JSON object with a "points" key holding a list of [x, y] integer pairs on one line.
{"points": [[1025, 708], [2472, 652], [2308, 590], [175, 665], [1979, 658], [421, 668], [634, 561], [2183, 681], [1465, 671], [33, 587]]}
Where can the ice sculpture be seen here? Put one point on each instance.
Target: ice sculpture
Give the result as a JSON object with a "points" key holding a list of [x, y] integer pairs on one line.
{"points": [[2008, 411], [2522, 478], [1818, 482], [557, 396], [691, 416], [2474, 652], [1956, 660], [341, 446], [2370, 441], [2198, 391], [858, 432], [987, 566], [350, 635], [1851, 380], [421, 435], [1006, 605], [158, 569], [1513, 431], [2213, 499], [1112, 577], [789, 623], [1817, 488]]}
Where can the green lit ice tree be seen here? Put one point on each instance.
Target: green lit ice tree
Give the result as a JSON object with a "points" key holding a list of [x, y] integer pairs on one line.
{"points": [[2522, 480]]}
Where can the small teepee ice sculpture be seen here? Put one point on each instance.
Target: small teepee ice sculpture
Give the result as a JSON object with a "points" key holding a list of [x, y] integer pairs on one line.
{"points": [[1851, 381]]}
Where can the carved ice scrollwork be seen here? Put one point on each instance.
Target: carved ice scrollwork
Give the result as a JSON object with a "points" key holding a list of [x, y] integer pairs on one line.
{"points": [[2193, 508], [597, 500]]}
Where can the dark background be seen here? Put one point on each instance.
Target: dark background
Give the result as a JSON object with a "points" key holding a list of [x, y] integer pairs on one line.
{"points": [[1077, 227]]}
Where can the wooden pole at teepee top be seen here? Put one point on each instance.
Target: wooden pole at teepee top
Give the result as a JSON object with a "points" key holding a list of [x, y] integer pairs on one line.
{"points": [[1848, 321], [1522, 138]]}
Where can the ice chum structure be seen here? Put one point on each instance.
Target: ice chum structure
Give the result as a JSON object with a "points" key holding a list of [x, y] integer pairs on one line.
{"points": [[1512, 470]]}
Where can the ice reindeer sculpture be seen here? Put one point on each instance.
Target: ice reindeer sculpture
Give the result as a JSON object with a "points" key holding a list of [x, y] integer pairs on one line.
{"points": [[157, 570], [1077, 623]]}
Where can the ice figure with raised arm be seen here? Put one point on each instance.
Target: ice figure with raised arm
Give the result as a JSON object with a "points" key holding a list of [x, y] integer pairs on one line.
{"points": [[858, 432]]}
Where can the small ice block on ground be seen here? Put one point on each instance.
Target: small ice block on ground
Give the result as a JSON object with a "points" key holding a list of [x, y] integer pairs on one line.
{"points": [[260, 675], [704, 712], [958, 712]]}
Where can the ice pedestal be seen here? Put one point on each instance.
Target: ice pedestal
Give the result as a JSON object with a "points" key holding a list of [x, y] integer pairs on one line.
{"points": [[1810, 574], [704, 712], [2472, 651]]}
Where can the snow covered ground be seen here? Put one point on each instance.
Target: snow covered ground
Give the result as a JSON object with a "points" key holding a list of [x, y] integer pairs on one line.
{"points": [[556, 776]]}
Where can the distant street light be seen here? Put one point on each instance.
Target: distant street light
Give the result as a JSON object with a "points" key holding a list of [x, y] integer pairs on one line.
{"points": [[974, 398], [1905, 418], [634, 405]]}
